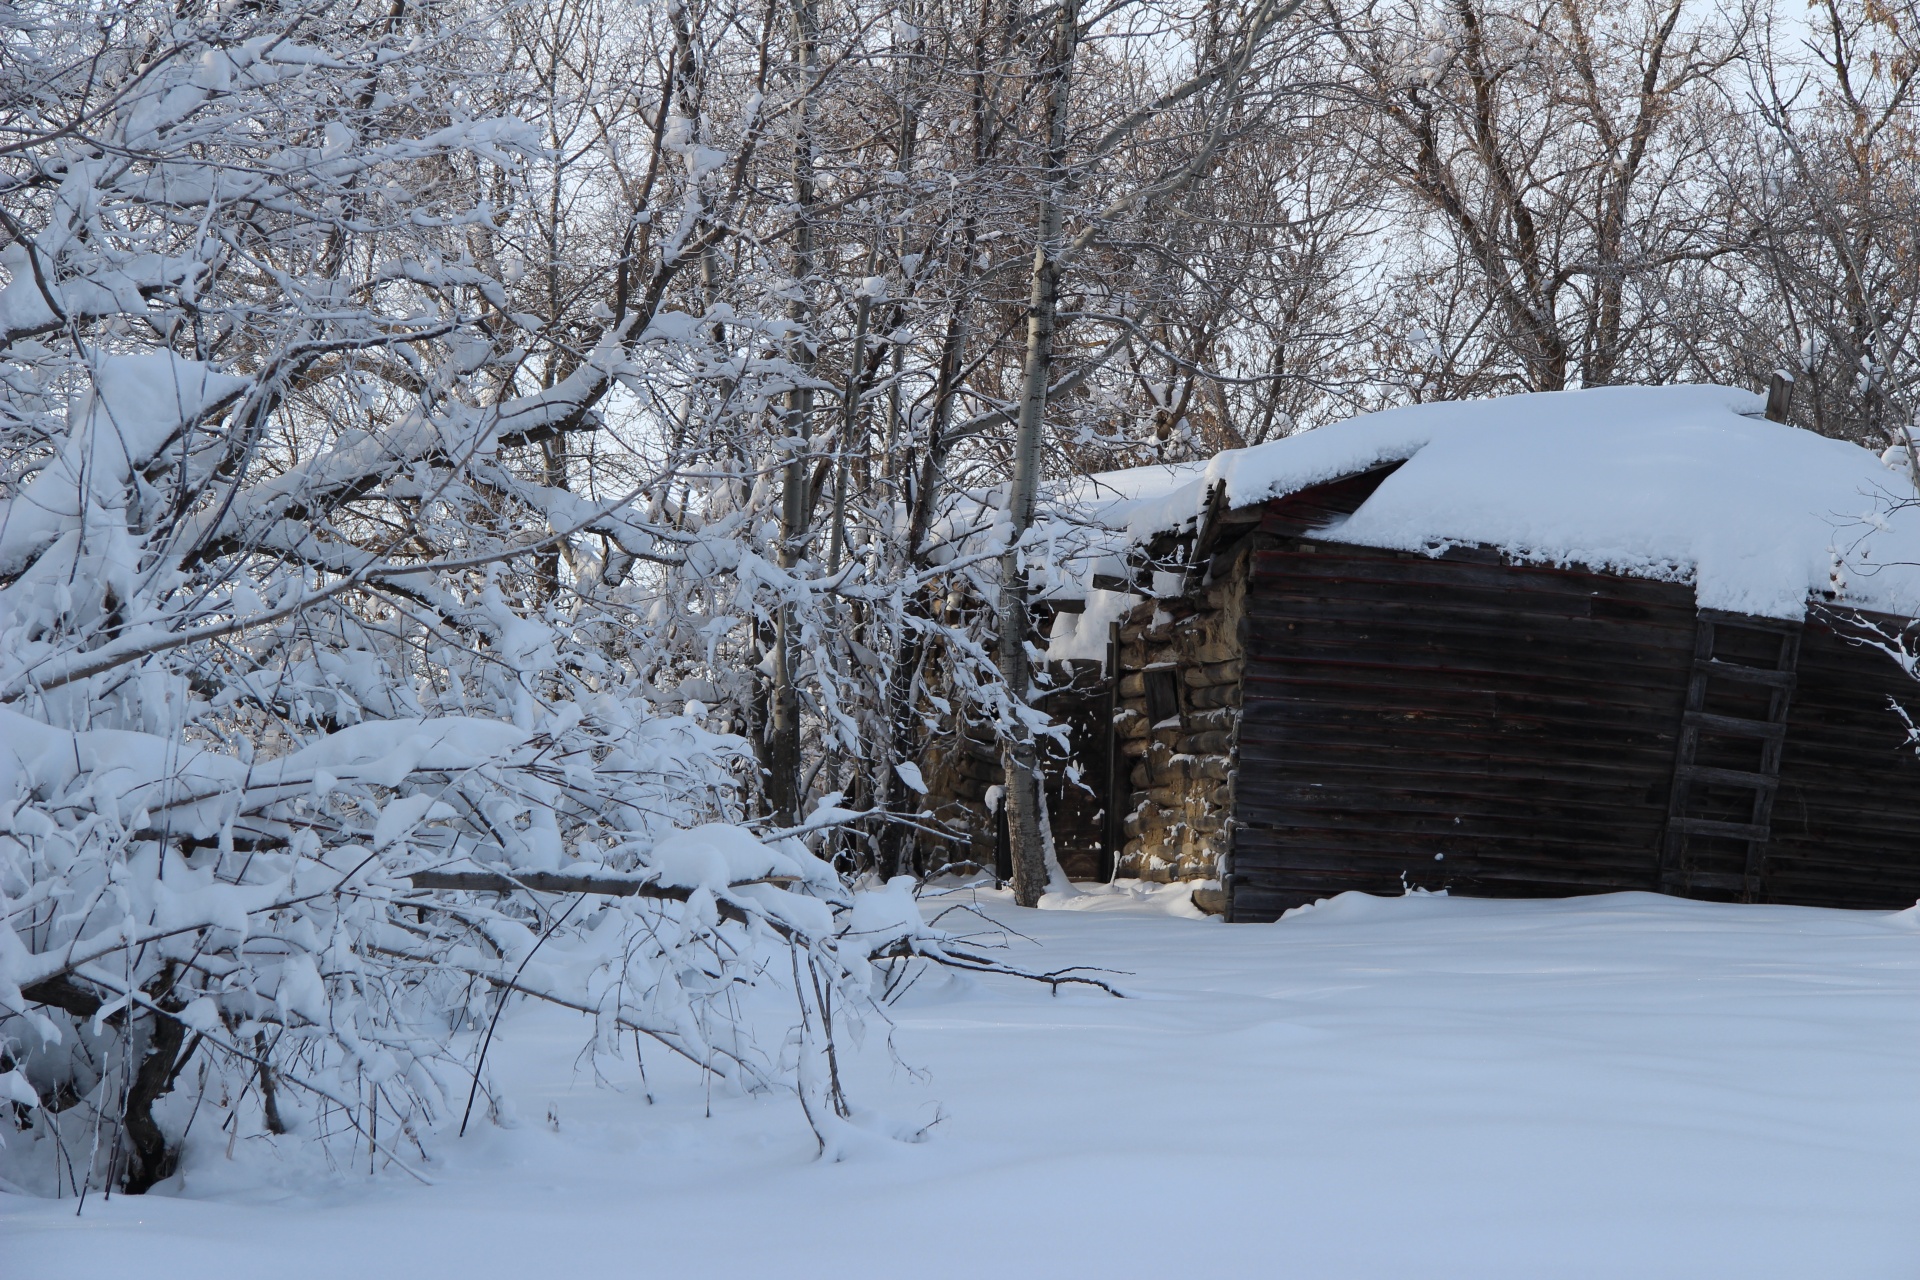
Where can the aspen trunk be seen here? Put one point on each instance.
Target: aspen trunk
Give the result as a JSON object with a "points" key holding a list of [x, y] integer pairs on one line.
{"points": [[1020, 756], [796, 486]]}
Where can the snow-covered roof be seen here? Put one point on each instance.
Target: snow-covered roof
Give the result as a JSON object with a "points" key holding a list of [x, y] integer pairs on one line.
{"points": [[1684, 483]]}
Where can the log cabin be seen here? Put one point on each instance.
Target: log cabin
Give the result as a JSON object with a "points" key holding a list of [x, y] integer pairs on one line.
{"points": [[1579, 642]]}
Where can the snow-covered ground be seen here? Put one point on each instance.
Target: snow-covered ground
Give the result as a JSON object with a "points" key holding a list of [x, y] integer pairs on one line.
{"points": [[1627, 1086]]}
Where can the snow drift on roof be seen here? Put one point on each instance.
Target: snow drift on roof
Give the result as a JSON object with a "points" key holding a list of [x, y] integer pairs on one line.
{"points": [[1677, 483]]}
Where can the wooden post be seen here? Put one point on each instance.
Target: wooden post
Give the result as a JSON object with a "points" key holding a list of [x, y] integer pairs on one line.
{"points": [[1779, 396]]}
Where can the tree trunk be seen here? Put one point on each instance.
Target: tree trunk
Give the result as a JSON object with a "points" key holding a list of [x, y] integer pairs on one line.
{"points": [[796, 486], [151, 1159], [1019, 755]]}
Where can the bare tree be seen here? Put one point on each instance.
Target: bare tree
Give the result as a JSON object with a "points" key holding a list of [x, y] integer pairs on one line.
{"points": [[1557, 155], [1830, 198]]}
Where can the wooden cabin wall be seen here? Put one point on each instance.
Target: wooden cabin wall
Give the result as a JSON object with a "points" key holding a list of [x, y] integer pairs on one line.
{"points": [[1451, 722], [1846, 822], [1181, 769]]}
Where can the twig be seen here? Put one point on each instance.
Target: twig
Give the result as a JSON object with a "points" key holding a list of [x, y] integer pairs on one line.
{"points": [[500, 1008]]}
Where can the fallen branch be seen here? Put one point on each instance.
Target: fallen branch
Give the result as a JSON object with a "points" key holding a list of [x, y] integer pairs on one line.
{"points": [[983, 964], [617, 887], [607, 886]]}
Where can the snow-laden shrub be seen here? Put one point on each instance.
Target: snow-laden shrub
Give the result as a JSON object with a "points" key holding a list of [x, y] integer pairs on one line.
{"points": [[169, 905], [300, 608]]}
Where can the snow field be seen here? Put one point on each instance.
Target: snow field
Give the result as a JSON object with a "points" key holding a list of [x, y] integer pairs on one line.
{"points": [[1416, 1087]]}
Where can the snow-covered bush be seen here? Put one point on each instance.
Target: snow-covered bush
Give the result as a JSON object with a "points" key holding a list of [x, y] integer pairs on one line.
{"points": [[299, 609]]}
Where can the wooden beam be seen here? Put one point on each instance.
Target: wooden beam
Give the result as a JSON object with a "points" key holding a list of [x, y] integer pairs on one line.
{"points": [[1779, 396]]}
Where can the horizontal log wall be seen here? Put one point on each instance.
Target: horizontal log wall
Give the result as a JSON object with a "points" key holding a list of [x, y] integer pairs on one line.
{"points": [[1846, 821], [1180, 758], [1453, 722]]}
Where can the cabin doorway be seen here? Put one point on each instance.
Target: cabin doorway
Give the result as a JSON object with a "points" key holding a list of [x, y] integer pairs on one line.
{"points": [[1077, 783]]}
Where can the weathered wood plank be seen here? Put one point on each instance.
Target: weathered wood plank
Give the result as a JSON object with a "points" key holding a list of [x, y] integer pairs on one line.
{"points": [[1487, 643], [1468, 673], [1573, 763], [1735, 726], [1342, 562], [1316, 507], [1275, 863], [1486, 807], [1334, 787], [1388, 830], [1496, 630], [1279, 699], [1457, 612]]}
